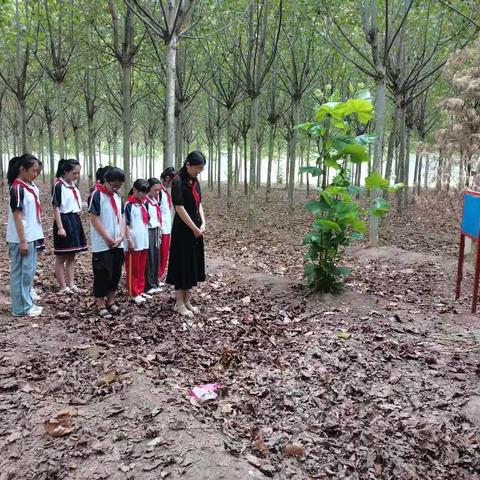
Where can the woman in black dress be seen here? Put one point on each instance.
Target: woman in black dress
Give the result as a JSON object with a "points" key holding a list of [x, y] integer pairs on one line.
{"points": [[186, 266]]}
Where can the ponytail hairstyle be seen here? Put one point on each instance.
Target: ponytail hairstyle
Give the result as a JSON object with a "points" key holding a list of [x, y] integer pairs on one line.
{"points": [[25, 161], [100, 173], [65, 166], [141, 185], [153, 181], [193, 158], [168, 173]]}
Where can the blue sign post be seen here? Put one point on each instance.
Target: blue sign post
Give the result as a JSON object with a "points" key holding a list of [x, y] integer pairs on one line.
{"points": [[470, 228]]}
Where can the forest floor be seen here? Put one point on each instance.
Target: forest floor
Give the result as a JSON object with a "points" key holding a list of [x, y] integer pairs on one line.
{"points": [[379, 381]]}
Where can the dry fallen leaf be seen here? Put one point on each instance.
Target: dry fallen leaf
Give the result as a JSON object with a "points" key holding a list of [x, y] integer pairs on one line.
{"points": [[294, 450], [62, 424], [110, 377]]}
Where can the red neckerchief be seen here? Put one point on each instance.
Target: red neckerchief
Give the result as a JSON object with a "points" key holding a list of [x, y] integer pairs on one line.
{"points": [[73, 188], [169, 197], [19, 183], [132, 199], [196, 195], [154, 202], [101, 188]]}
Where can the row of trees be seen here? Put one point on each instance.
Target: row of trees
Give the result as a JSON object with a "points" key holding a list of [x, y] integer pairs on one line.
{"points": [[158, 77]]}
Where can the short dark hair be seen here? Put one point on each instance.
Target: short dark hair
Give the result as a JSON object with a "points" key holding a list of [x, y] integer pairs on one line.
{"points": [[113, 174]]}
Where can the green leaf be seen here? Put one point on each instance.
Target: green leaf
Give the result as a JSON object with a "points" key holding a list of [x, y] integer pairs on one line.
{"points": [[379, 207], [359, 225], [357, 153], [376, 181], [328, 224], [314, 171], [362, 108], [305, 126], [332, 163], [315, 206], [365, 139], [341, 141]]}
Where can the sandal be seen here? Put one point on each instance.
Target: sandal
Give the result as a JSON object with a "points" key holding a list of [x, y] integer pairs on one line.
{"points": [[113, 308], [183, 310], [103, 313], [193, 309]]}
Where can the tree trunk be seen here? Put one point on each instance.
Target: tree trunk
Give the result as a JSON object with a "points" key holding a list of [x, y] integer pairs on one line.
{"points": [[391, 144], [258, 180], [427, 167], [438, 186], [91, 149], [407, 169], [229, 158], [51, 150], [210, 166], [271, 141], [401, 158], [419, 174], [245, 165], [127, 122], [115, 140], [237, 165], [253, 151], [170, 101], [219, 164], [378, 151], [60, 118], [41, 153], [293, 150], [76, 137], [23, 125]]}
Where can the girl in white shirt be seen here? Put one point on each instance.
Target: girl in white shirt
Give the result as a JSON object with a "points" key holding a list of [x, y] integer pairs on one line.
{"points": [[68, 235], [167, 219], [153, 202], [24, 231], [136, 243]]}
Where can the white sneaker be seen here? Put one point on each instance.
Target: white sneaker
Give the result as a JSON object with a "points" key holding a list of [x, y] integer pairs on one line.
{"points": [[35, 296], [161, 284], [151, 291], [65, 291], [75, 289], [146, 295], [139, 299], [35, 311]]}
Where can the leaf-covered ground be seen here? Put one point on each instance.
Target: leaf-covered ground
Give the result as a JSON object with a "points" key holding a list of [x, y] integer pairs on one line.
{"points": [[377, 382]]}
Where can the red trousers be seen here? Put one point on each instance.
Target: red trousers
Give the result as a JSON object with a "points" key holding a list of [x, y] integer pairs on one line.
{"points": [[135, 265], [164, 251]]}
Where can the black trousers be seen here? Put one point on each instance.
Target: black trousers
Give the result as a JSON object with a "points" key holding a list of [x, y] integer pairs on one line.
{"points": [[153, 259], [107, 270]]}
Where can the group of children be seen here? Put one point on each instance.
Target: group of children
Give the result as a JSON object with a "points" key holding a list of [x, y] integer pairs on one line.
{"points": [[137, 232]]}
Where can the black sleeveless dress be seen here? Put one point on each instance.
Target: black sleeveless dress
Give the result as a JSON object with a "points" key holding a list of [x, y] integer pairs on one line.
{"points": [[186, 265]]}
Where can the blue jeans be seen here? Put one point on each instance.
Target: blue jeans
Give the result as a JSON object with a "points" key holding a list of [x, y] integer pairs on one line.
{"points": [[22, 271]]}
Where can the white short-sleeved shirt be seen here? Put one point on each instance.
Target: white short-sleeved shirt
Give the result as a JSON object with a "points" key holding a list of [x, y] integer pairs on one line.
{"points": [[23, 199], [101, 206], [152, 204], [138, 229], [167, 216], [64, 197]]}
